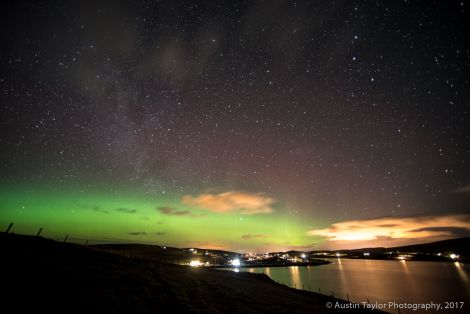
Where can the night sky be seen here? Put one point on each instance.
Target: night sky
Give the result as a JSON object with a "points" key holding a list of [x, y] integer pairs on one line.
{"points": [[251, 125]]}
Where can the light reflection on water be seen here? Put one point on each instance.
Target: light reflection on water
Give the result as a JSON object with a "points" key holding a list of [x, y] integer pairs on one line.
{"points": [[462, 273], [295, 276], [381, 281]]}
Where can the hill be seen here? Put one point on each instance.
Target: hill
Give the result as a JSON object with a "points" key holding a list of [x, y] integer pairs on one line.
{"points": [[166, 254], [45, 276], [460, 245], [446, 250]]}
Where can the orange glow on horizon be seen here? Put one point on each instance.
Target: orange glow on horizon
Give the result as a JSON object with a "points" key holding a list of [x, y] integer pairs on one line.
{"points": [[393, 230]]}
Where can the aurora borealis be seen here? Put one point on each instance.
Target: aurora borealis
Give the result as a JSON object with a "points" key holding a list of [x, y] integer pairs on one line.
{"points": [[236, 125], [123, 216]]}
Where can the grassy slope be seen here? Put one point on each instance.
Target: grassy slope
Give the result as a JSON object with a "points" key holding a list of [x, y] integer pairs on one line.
{"points": [[47, 276]]}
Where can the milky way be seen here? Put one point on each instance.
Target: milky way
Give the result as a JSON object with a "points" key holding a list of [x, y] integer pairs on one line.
{"points": [[289, 116]]}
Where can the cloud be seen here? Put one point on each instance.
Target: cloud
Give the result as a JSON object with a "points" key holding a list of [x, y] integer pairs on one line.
{"points": [[398, 230], [207, 245], [308, 247], [175, 212], [232, 202], [126, 210], [137, 233], [94, 208], [254, 236], [99, 210]]}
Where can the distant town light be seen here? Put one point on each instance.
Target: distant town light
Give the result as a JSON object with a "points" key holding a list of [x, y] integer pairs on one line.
{"points": [[338, 255], [303, 256], [195, 263], [453, 256], [366, 253], [236, 262]]}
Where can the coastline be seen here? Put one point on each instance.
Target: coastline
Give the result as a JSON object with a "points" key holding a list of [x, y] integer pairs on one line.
{"points": [[312, 263], [56, 277]]}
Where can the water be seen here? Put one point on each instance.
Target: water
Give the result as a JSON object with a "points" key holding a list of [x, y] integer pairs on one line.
{"points": [[382, 281]]}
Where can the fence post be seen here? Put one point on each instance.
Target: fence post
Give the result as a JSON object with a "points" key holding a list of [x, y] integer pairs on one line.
{"points": [[9, 227], [86, 243], [332, 294], [347, 296], [39, 232], [66, 238]]}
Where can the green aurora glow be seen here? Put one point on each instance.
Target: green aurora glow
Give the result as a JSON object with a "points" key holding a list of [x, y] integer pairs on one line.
{"points": [[104, 215]]}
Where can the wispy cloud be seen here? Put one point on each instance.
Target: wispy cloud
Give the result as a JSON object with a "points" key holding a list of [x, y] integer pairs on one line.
{"points": [[99, 210], [94, 208], [126, 210], [137, 233], [301, 247], [254, 236], [244, 203], [207, 245], [175, 212], [399, 230]]}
